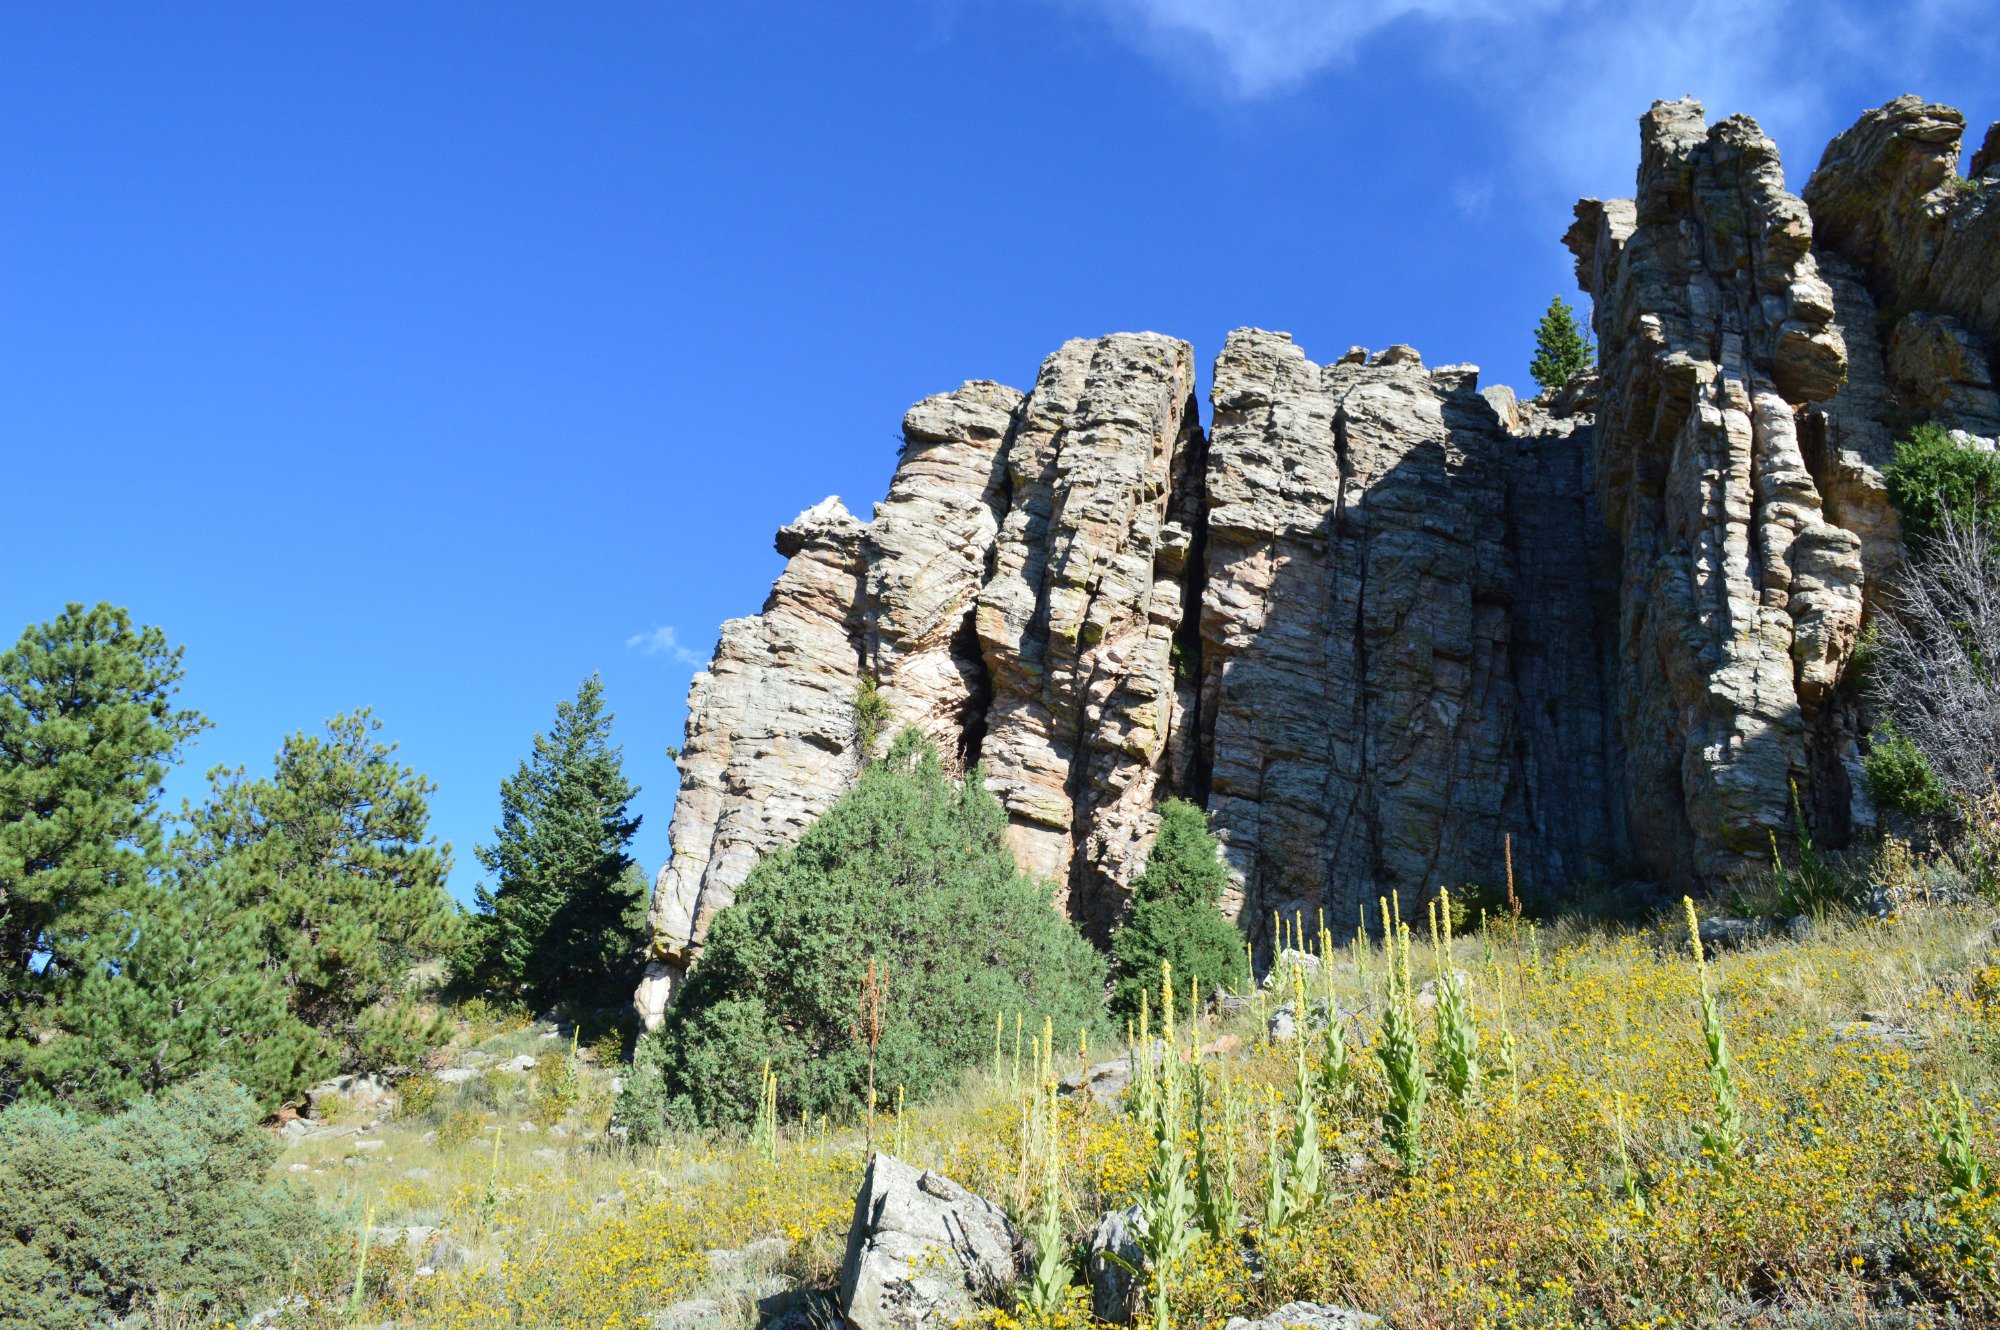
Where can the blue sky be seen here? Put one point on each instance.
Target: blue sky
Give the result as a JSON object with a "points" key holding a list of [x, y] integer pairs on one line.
{"points": [[431, 356]]}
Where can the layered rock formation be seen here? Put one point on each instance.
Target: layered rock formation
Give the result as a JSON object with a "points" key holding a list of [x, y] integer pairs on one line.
{"points": [[1400, 623], [1380, 622], [1740, 602]]}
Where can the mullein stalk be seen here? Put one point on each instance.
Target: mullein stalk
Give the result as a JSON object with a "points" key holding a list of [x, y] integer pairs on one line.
{"points": [[1964, 1172], [1402, 1059], [361, 1268], [1634, 1195], [1304, 1165], [1723, 1138], [1168, 1204], [1048, 1285], [1457, 1031]]}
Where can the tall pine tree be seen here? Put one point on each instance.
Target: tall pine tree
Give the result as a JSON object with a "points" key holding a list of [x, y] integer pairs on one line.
{"points": [[564, 918], [87, 731], [1561, 349], [333, 853]]}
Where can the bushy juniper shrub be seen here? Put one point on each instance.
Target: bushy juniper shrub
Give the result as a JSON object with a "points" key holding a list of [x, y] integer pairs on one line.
{"points": [[1934, 474], [165, 1204], [909, 868], [1177, 917], [1900, 777]]}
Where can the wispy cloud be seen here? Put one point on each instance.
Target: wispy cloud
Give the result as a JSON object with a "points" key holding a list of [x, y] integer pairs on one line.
{"points": [[664, 641], [1265, 46], [1568, 78]]}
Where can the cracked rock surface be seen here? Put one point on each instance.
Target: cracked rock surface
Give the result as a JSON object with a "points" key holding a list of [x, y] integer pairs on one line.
{"points": [[1380, 622]]}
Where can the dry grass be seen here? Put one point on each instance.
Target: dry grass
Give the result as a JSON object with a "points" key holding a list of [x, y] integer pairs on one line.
{"points": [[1521, 1218]]}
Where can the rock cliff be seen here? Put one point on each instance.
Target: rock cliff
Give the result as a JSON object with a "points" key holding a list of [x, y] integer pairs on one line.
{"points": [[1379, 621]]}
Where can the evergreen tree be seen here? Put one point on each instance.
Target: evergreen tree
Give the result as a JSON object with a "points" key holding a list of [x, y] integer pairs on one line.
{"points": [[87, 732], [332, 852], [1176, 916], [190, 992], [565, 915], [1561, 349], [909, 869]]}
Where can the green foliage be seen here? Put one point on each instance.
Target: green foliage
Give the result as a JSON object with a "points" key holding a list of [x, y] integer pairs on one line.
{"points": [[565, 918], [190, 993], [1900, 777], [1933, 474], [333, 854], [1299, 1175], [871, 717], [909, 868], [165, 1204], [1175, 915], [87, 732], [1561, 349], [1401, 1055], [1965, 1174], [646, 1108], [1722, 1139]]}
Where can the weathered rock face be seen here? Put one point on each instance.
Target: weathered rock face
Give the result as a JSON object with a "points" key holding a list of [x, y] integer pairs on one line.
{"points": [[1740, 602], [1079, 621], [1888, 199], [1380, 622], [1399, 632]]}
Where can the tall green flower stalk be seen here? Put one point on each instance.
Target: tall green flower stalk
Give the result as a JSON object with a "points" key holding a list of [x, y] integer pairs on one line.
{"points": [[1964, 1172], [765, 1133], [1214, 1169], [1049, 1283], [1457, 1031], [1334, 1077], [1722, 1139], [1401, 1055], [1304, 1165], [1168, 1205]]}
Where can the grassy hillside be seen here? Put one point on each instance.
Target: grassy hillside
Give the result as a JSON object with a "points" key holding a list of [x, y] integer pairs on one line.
{"points": [[1574, 1190]]}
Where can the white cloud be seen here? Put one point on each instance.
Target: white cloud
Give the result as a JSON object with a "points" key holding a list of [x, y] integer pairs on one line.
{"points": [[666, 642], [1268, 45], [1569, 78]]}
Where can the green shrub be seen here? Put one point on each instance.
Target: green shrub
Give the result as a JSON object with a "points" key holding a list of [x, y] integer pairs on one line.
{"points": [[165, 1203], [910, 869], [1175, 916], [1934, 474], [1900, 777]]}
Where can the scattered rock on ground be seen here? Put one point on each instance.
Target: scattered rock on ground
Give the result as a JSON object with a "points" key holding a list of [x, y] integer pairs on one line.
{"points": [[1307, 1316], [1104, 1082], [1878, 1031], [1724, 934], [518, 1064], [693, 1314], [922, 1250], [457, 1075], [1427, 996], [1114, 1256]]}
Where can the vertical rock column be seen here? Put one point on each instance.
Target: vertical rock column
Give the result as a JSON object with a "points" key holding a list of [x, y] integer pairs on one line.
{"points": [[1078, 620], [927, 554], [1360, 701], [1740, 603], [770, 739]]}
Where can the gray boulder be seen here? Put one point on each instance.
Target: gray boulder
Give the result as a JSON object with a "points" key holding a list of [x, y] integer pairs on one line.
{"points": [[1116, 1263], [1307, 1316], [1103, 1082], [922, 1250], [1723, 934]]}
